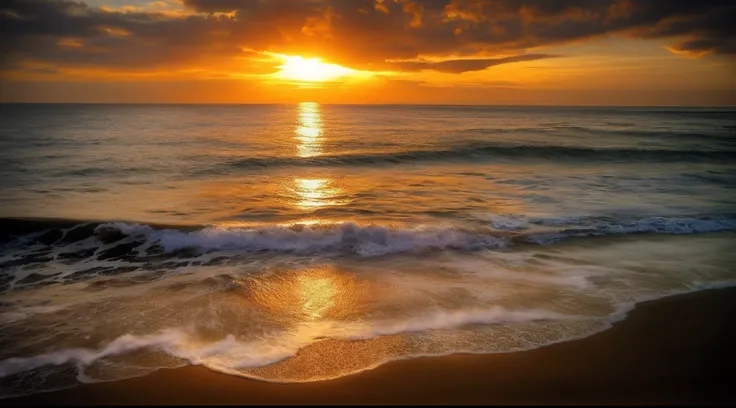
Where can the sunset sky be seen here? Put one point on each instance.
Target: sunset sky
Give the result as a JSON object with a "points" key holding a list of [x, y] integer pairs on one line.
{"points": [[538, 52]]}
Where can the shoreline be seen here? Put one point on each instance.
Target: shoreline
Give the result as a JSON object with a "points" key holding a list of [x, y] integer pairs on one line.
{"points": [[674, 350]]}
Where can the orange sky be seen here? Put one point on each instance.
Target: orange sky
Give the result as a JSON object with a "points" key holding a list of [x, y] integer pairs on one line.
{"points": [[540, 52]]}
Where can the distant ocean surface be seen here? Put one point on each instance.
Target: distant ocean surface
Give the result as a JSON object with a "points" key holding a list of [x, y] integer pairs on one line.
{"points": [[293, 243]]}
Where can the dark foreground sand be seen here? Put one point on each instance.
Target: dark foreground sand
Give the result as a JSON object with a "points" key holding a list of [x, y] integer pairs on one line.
{"points": [[678, 350]]}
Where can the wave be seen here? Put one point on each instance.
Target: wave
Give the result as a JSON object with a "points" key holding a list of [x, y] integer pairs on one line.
{"points": [[345, 237], [488, 152], [662, 134], [379, 240], [232, 353], [138, 242], [651, 225], [555, 128]]}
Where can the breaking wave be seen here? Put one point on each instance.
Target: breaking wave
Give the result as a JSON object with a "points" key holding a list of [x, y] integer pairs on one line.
{"points": [[348, 237]]}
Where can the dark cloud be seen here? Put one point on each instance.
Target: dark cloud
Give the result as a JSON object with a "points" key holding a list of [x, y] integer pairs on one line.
{"points": [[360, 34], [704, 32], [531, 23], [464, 65], [220, 6]]}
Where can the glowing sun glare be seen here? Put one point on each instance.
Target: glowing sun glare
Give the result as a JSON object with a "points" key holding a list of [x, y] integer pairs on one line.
{"points": [[311, 70]]}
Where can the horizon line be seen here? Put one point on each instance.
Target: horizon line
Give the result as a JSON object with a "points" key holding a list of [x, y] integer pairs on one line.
{"points": [[364, 104]]}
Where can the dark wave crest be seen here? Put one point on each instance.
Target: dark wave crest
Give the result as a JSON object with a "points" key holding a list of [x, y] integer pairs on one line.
{"points": [[87, 250], [365, 240], [491, 152]]}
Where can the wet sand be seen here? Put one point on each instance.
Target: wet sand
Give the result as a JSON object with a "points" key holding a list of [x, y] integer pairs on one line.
{"points": [[678, 350]]}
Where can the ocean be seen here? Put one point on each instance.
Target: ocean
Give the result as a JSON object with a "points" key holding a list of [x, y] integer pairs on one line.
{"points": [[297, 243]]}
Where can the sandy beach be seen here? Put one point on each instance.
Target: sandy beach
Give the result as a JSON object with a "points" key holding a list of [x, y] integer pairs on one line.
{"points": [[676, 350]]}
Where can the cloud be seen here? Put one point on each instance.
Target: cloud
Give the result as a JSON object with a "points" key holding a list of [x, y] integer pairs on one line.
{"points": [[222, 6], [463, 65], [361, 34]]}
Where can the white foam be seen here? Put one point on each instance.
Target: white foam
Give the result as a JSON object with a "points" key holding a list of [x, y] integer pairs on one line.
{"points": [[232, 353], [458, 318], [509, 222], [374, 240], [362, 240], [83, 356], [565, 276], [654, 225]]}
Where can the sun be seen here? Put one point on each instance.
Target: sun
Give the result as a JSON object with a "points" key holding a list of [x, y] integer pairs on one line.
{"points": [[311, 70]]}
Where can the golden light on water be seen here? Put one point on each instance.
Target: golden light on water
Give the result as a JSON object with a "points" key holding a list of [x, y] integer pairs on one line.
{"points": [[317, 295], [308, 132], [323, 293], [312, 193], [311, 184], [316, 193], [312, 303]]}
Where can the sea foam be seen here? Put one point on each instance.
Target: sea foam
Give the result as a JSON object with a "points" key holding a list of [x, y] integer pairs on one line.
{"points": [[381, 240], [232, 353], [347, 237]]}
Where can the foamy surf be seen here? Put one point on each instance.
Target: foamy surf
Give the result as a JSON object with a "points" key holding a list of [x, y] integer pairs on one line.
{"points": [[82, 251], [374, 240], [346, 237], [235, 354]]}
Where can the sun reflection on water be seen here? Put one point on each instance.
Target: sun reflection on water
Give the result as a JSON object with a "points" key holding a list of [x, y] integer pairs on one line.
{"points": [[311, 294], [312, 193], [316, 193], [309, 130], [317, 295]]}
